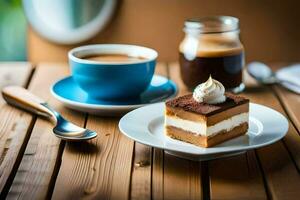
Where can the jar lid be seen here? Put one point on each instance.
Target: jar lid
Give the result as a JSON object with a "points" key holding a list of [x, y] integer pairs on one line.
{"points": [[213, 24]]}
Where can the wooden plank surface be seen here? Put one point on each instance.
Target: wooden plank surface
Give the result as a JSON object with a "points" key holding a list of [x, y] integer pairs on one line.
{"points": [[141, 172], [275, 161], [181, 177], [122, 168], [238, 177], [158, 154], [281, 174], [99, 169], [37, 170], [291, 102], [14, 73], [230, 178], [158, 174], [15, 125], [142, 165], [109, 167]]}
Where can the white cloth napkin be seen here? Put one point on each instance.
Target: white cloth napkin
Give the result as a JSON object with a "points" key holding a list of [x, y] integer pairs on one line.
{"points": [[290, 77]]}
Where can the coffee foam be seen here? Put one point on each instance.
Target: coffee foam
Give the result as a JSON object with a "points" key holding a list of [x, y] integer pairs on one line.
{"points": [[210, 46], [217, 51], [113, 58]]}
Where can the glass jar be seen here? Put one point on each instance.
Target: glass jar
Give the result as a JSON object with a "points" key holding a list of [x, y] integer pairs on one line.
{"points": [[212, 46]]}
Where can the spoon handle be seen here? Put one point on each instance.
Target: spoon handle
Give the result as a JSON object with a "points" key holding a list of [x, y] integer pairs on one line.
{"points": [[22, 98]]}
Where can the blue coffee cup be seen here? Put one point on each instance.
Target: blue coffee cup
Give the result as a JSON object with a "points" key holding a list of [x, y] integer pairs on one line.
{"points": [[109, 80]]}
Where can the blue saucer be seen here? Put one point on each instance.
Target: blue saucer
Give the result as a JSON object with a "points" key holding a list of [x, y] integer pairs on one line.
{"points": [[72, 96]]}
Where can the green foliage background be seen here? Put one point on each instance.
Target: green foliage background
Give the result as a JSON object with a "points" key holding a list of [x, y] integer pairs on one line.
{"points": [[12, 31]]}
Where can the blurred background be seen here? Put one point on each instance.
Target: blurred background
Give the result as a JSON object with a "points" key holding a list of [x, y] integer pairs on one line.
{"points": [[269, 28], [12, 31]]}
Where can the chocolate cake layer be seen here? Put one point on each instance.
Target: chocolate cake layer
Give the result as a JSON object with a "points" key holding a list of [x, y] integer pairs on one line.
{"points": [[187, 103], [203, 141], [209, 120]]}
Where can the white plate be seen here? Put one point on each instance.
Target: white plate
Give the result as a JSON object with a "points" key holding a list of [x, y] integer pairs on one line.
{"points": [[146, 125]]}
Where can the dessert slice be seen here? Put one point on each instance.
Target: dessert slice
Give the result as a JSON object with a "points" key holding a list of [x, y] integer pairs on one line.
{"points": [[207, 117]]}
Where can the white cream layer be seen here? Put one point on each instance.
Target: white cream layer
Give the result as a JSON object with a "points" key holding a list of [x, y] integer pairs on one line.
{"points": [[201, 128]]}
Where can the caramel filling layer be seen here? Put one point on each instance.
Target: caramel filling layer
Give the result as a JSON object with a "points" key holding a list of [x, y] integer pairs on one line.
{"points": [[205, 141]]}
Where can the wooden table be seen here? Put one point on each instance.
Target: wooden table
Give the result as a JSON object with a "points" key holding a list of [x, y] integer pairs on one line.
{"points": [[34, 164]]}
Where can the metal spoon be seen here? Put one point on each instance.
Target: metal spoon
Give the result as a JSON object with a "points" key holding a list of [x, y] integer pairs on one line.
{"points": [[263, 74], [22, 98]]}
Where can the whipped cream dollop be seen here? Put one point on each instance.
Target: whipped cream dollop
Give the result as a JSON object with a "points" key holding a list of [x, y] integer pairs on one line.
{"points": [[211, 92]]}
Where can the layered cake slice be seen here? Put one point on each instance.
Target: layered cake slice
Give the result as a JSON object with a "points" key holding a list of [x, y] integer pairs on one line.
{"points": [[207, 117]]}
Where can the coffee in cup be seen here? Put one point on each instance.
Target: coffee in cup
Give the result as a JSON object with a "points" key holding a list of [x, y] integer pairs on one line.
{"points": [[113, 58], [112, 72]]}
